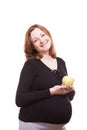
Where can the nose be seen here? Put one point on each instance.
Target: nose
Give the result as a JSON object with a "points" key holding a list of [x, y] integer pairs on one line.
{"points": [[41, 40]]}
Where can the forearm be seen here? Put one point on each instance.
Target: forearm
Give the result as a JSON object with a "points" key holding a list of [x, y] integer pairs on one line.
{"points": [[23, 99], [61, 90]]}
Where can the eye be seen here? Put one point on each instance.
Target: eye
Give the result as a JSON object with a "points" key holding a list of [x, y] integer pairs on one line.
{"points": [[35, 40], [43, 34]]}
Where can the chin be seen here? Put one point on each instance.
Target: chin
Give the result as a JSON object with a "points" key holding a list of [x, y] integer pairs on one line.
{"points": [[47, 47]]}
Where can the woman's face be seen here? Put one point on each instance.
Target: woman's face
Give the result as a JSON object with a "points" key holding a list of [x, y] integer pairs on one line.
{"points": [[40, 40]]}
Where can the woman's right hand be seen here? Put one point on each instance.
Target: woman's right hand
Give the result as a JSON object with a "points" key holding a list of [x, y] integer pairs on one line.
{"points": [[60, 90]]}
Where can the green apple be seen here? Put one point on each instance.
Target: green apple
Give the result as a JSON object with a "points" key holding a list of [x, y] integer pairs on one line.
{"points": [[67, 81]]}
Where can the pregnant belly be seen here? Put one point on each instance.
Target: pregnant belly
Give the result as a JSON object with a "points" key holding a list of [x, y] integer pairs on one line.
{"points": [[53, 110], [57, 109]]}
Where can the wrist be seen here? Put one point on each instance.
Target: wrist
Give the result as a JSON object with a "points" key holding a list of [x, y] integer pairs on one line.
{"points": [[51, 91]]}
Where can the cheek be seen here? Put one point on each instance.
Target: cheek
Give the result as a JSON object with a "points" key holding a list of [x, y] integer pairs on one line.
{"points": [[36, 46], [50, 43]]}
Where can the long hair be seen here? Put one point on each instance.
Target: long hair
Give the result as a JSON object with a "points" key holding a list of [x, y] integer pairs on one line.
{"points": [[29, 50]]}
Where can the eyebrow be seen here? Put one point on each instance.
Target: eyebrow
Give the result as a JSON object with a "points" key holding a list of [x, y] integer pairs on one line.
{"points": [[42, 32], [34, 38]]}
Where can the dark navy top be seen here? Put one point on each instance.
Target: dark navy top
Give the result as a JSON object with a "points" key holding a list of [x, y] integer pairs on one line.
{"points": [[33, 95]]}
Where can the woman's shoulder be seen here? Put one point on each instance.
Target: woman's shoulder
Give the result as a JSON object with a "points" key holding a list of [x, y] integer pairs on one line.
{"points": [[59, 59], [30, 65], [31, 62]]}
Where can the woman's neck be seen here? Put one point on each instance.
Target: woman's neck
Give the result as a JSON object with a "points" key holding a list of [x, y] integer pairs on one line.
{"points": [[46, 57], [49, 61]]}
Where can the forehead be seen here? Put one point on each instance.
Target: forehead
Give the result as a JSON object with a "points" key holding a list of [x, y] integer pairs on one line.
{"points": [[36, 32]]}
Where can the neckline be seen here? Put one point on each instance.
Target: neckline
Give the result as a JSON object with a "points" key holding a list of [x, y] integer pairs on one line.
{"points": [[49, 67]]}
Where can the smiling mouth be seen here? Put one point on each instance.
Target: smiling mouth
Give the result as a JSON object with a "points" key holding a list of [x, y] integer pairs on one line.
{"points": [[45, 42]]}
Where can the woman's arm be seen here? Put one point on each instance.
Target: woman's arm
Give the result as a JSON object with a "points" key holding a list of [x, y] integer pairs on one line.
{"points": [[24, 94], [71, 95], [62, 90]]}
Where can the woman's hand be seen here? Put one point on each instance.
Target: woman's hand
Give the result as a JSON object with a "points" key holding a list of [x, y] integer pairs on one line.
{"points": [[60, 90]]}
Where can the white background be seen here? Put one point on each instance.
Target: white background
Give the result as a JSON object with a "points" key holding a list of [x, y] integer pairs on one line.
{"points": [[67, 22]]}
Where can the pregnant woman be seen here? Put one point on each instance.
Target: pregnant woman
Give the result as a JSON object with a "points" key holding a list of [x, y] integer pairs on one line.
{"points": [[45, 104]]}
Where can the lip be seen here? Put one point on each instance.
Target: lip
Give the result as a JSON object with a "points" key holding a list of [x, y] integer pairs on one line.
{"points": [[45, 42]]}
